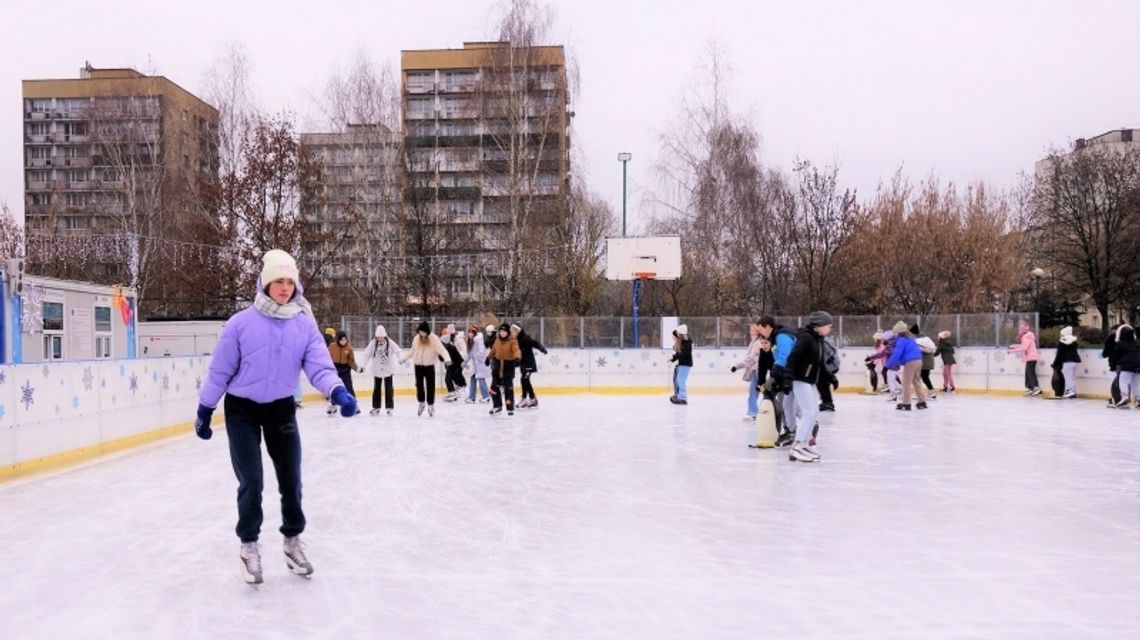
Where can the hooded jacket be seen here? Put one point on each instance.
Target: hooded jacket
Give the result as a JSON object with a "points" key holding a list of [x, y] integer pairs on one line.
{"points": [[259, 357], [382, 357], [751, 361], [683, 347], [905, 350], [344, 359], [528, 345], [806, 361], [1127, 350], [946, 351], [426, 354], [477, 352], [505, 356], [1027, 346]]}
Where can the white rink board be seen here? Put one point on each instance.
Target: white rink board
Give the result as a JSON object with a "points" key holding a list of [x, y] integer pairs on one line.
{"points": [[608, 517]]}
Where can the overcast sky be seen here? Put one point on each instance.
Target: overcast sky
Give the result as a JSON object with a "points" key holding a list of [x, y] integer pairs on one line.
{"points": [[970, 90]]}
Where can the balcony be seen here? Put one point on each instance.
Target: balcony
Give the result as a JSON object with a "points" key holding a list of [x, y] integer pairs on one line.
{"points": [[419, 88], [80, 162]]}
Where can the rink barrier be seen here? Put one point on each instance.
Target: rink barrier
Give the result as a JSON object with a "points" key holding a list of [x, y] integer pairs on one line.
{"points": [[57, 415]]}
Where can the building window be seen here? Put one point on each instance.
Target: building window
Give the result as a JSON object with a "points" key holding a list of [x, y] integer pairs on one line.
{"points": [[39, 105], [40, 199], [76, 199], [39, 128], [53, 347], [53, 316], [75, 128], [77, 175], [102, 346], [419, 106]]}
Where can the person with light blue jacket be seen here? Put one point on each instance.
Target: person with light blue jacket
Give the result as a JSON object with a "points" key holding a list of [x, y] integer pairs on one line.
{"points": [[255, 365]]}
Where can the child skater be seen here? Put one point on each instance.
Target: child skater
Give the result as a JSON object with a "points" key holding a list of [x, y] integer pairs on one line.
{"points": [[750, 365], [425, 352], [255, 365], [1027, 347], [504, 358], [345, 362], [529, 367], [945, 351], [381, 354], [453, 374], [477, 356], [1067, 360]]}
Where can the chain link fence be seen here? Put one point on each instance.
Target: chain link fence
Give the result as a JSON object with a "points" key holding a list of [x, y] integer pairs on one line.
{"points": [[724, 332]]}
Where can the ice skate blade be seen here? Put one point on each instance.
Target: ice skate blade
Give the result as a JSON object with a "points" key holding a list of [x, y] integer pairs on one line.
{"points": [[298, 569], [763, 444]]}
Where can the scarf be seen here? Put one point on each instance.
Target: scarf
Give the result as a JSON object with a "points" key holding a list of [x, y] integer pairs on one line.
{"points": [[291, 309]]}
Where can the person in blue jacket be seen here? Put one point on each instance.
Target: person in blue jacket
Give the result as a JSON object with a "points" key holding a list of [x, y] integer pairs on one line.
{"points": [[783, 340], [908, 356]]}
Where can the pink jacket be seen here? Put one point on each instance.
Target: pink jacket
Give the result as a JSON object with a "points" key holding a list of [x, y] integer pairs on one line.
{"points": [[1027, 347]]}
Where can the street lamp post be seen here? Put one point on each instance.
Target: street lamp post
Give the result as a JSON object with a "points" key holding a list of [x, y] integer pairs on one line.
{"points": [[624, 158], [1037, 273]]}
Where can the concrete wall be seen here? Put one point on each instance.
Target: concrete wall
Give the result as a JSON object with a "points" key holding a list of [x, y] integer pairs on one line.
{"points": [[55, 414]]}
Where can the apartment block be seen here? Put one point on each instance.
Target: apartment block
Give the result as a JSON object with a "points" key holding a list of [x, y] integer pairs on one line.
{"points": [[110, 147]]}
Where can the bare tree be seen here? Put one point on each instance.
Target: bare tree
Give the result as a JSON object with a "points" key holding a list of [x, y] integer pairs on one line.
{"points": [[227, 85], [11, 235], [576, 284], [1084, 222], [820, 228]]}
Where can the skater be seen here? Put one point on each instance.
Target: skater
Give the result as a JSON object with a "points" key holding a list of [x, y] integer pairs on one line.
{"points": [[1127, 351], [750, 365], [1109, 353], [783, 340], [928, 348], [381, 355], [262, 350], [906, 354], [425, 352], [829, 377], [529, 366], [477, 352], [453, 374], [945, 351], [683, 356], [345, 362], [505, 356], [806, 367], [882, 356], [1027, 347], [1067, 360], [872, 370]]}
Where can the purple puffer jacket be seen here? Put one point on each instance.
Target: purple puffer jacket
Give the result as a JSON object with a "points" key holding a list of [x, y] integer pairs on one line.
{"points": [[260, 358]]}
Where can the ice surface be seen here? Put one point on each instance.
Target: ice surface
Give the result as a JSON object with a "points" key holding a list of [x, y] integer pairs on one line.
{"points": [[608, 517]]}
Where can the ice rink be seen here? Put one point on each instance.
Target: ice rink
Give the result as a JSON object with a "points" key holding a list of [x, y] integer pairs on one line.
{"points": [[607, 517]]}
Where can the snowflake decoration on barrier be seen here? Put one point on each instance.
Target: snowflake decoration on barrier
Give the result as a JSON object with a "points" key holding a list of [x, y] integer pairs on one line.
{"points": [[134, 383], [968, 361], [165, 382], [32, 308], [198, 380], [122, 371], [3, 411], [644, 356], [46, 371], [27, 395], [601, 363], [88, 378], [554, 360], [3, 377], [74, 402]]}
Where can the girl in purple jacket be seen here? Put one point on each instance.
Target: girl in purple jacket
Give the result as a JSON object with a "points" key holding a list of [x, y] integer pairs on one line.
{"points": [[255, 364]]}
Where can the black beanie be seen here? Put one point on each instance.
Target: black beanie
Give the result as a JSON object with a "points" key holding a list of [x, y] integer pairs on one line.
{"points": [[424, 327], [914, 329], [505, 327]]}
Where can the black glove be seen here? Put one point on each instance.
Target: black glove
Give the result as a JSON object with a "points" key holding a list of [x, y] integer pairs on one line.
{"points": [[202, 423], [487, 361], [733, 369], [783, 379], [835, 382]]}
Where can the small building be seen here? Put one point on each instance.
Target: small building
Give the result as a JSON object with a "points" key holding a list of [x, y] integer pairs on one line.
{"points": [[158, 339], [49, 319]]}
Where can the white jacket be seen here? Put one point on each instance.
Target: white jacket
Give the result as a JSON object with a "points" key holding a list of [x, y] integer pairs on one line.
{"points": [[382, 358], [426, 355], [478, 357], [751, 359]]}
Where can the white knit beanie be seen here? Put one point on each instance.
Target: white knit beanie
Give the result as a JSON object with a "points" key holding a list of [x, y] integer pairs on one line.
{"points": [[381, 332], [277, 264]]}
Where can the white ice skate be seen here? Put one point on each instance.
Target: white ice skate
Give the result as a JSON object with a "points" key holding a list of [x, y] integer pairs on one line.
{"points": [[332, 409], [420, 412], [802, 453], [295, 557], [389, 412], [470, 401], [431, 411], [250, 562], [374, 412]]}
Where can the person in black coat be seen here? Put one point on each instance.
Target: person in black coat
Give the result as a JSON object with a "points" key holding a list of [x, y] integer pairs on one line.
{"points": [[1127, 352], [529, 366], [1066, 362], [683, 356], [1109, 353], [806, 367]]}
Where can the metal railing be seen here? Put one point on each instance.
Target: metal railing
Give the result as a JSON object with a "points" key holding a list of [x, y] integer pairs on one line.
{"points": [[610, 332]]}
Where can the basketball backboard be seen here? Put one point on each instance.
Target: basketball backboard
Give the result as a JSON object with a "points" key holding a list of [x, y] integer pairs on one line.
{"points": [[659, 255]]}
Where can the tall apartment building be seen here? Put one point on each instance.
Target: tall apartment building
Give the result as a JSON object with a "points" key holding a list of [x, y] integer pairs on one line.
{"points": [[352, 223], [112, 151], [487, 137]]}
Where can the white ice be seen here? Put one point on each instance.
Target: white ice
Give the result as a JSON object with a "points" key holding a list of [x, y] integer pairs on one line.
{"points": [[607, 517]]}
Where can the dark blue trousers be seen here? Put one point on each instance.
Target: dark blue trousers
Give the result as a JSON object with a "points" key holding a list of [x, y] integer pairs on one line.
{"points": [[246, 421]]}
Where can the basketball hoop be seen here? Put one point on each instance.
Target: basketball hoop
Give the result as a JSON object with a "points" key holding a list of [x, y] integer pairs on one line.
{"points": [[644, 275]]}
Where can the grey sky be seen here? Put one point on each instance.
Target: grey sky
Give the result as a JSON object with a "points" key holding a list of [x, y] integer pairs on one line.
{"points": [[971, 90]]}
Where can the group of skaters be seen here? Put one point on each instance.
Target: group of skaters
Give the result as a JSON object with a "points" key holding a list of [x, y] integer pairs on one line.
{"points": [[904, 358], [469, 359]]}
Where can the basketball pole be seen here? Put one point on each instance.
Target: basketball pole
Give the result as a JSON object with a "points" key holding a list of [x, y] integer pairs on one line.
{"points": [[636, 315]]}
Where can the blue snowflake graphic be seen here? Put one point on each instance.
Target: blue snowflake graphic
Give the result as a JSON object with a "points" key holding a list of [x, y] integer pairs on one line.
{"points": [[3, 377], [122, 371], [74, 402], [88, 378], [134, 384], [3, 411], [154, 377], [601, 363], [27, 395]]}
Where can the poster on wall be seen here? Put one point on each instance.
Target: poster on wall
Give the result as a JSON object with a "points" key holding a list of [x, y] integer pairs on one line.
{"points": [[79, 331]]}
